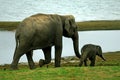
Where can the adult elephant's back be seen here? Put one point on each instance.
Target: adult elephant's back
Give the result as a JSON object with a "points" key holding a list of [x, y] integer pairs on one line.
{"points": [[39, 30]]}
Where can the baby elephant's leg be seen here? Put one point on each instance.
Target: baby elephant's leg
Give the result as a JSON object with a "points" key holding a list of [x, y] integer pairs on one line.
{"points": [[92, 59]]}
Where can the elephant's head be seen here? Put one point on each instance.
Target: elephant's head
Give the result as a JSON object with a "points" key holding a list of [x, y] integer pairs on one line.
{"points": [[99, 52], [70, 30], [69, 26]]}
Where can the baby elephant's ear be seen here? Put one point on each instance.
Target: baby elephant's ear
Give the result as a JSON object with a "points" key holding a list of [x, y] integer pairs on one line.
{"points": [[99, 50], [98, 47]]}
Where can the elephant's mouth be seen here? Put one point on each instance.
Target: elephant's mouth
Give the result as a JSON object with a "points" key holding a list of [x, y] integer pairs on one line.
{"points": [[68, 34]]}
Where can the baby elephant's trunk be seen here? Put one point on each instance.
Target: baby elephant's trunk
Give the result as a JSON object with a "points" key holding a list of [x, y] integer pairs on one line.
{"points": [[102, 57]]}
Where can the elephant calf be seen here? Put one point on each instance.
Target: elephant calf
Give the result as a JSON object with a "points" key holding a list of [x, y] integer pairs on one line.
{"points": [[90, 51]]}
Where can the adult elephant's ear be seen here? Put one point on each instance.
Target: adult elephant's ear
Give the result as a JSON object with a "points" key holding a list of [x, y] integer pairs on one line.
{"points": [[67, 26]]}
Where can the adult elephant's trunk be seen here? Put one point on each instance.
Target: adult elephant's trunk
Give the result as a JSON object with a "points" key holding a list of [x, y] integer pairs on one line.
{"points": [[75, 39]]}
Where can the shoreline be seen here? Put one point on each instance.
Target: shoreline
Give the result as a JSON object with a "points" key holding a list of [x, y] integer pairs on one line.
{"points": [[110, 57], [82, 26]]}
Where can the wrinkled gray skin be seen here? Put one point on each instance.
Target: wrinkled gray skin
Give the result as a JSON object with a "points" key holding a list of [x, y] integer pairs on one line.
{"points": [[42, 31], [90, 51]]}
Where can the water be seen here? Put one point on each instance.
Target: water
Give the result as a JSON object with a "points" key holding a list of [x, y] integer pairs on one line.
{"points": [[108, 40], [83, 10]]}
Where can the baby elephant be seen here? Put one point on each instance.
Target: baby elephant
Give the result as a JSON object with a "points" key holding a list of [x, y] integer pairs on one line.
{"points": [[90, 51]]}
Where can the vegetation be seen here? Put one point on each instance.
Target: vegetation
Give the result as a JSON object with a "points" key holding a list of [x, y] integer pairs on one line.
{"points": [[8, 25], [64, 73], [82, 26], [109, 70], [99, 25]]}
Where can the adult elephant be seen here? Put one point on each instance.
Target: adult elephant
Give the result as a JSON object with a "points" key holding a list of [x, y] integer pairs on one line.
{"points": [[42, 31], [90, 51]]}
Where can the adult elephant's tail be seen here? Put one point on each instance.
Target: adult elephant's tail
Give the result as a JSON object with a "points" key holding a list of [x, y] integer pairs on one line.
{"points": [[17, 42]]}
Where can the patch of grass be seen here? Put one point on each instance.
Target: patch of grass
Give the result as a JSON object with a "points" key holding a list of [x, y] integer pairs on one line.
{"points": [[64, 73], [113, 59], [82, 26], [108, 70], [6, 25], [99, 25]]}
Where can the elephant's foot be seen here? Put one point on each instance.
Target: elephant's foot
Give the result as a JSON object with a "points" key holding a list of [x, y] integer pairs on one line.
{"points": [[57, 64], [41, 62], [13, 67], [85, 64], [92, 65], [32, 66], [80, 65]]}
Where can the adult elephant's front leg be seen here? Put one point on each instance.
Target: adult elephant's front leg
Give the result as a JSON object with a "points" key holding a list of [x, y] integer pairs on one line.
{"points": [[58, 51], [30, 60], [47, 54]]}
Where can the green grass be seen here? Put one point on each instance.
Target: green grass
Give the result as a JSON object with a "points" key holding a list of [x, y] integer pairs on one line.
{"points": [[63, 73], [109, 70], [113, 59]]}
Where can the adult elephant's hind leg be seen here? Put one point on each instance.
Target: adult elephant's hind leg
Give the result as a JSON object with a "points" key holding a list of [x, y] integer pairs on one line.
{"points": [[18, 53], [47, 54], [30, 60]]}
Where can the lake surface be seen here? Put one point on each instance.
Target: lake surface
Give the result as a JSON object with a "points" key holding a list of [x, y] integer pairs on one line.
{"points": [[108, 40], [83, 10]]}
